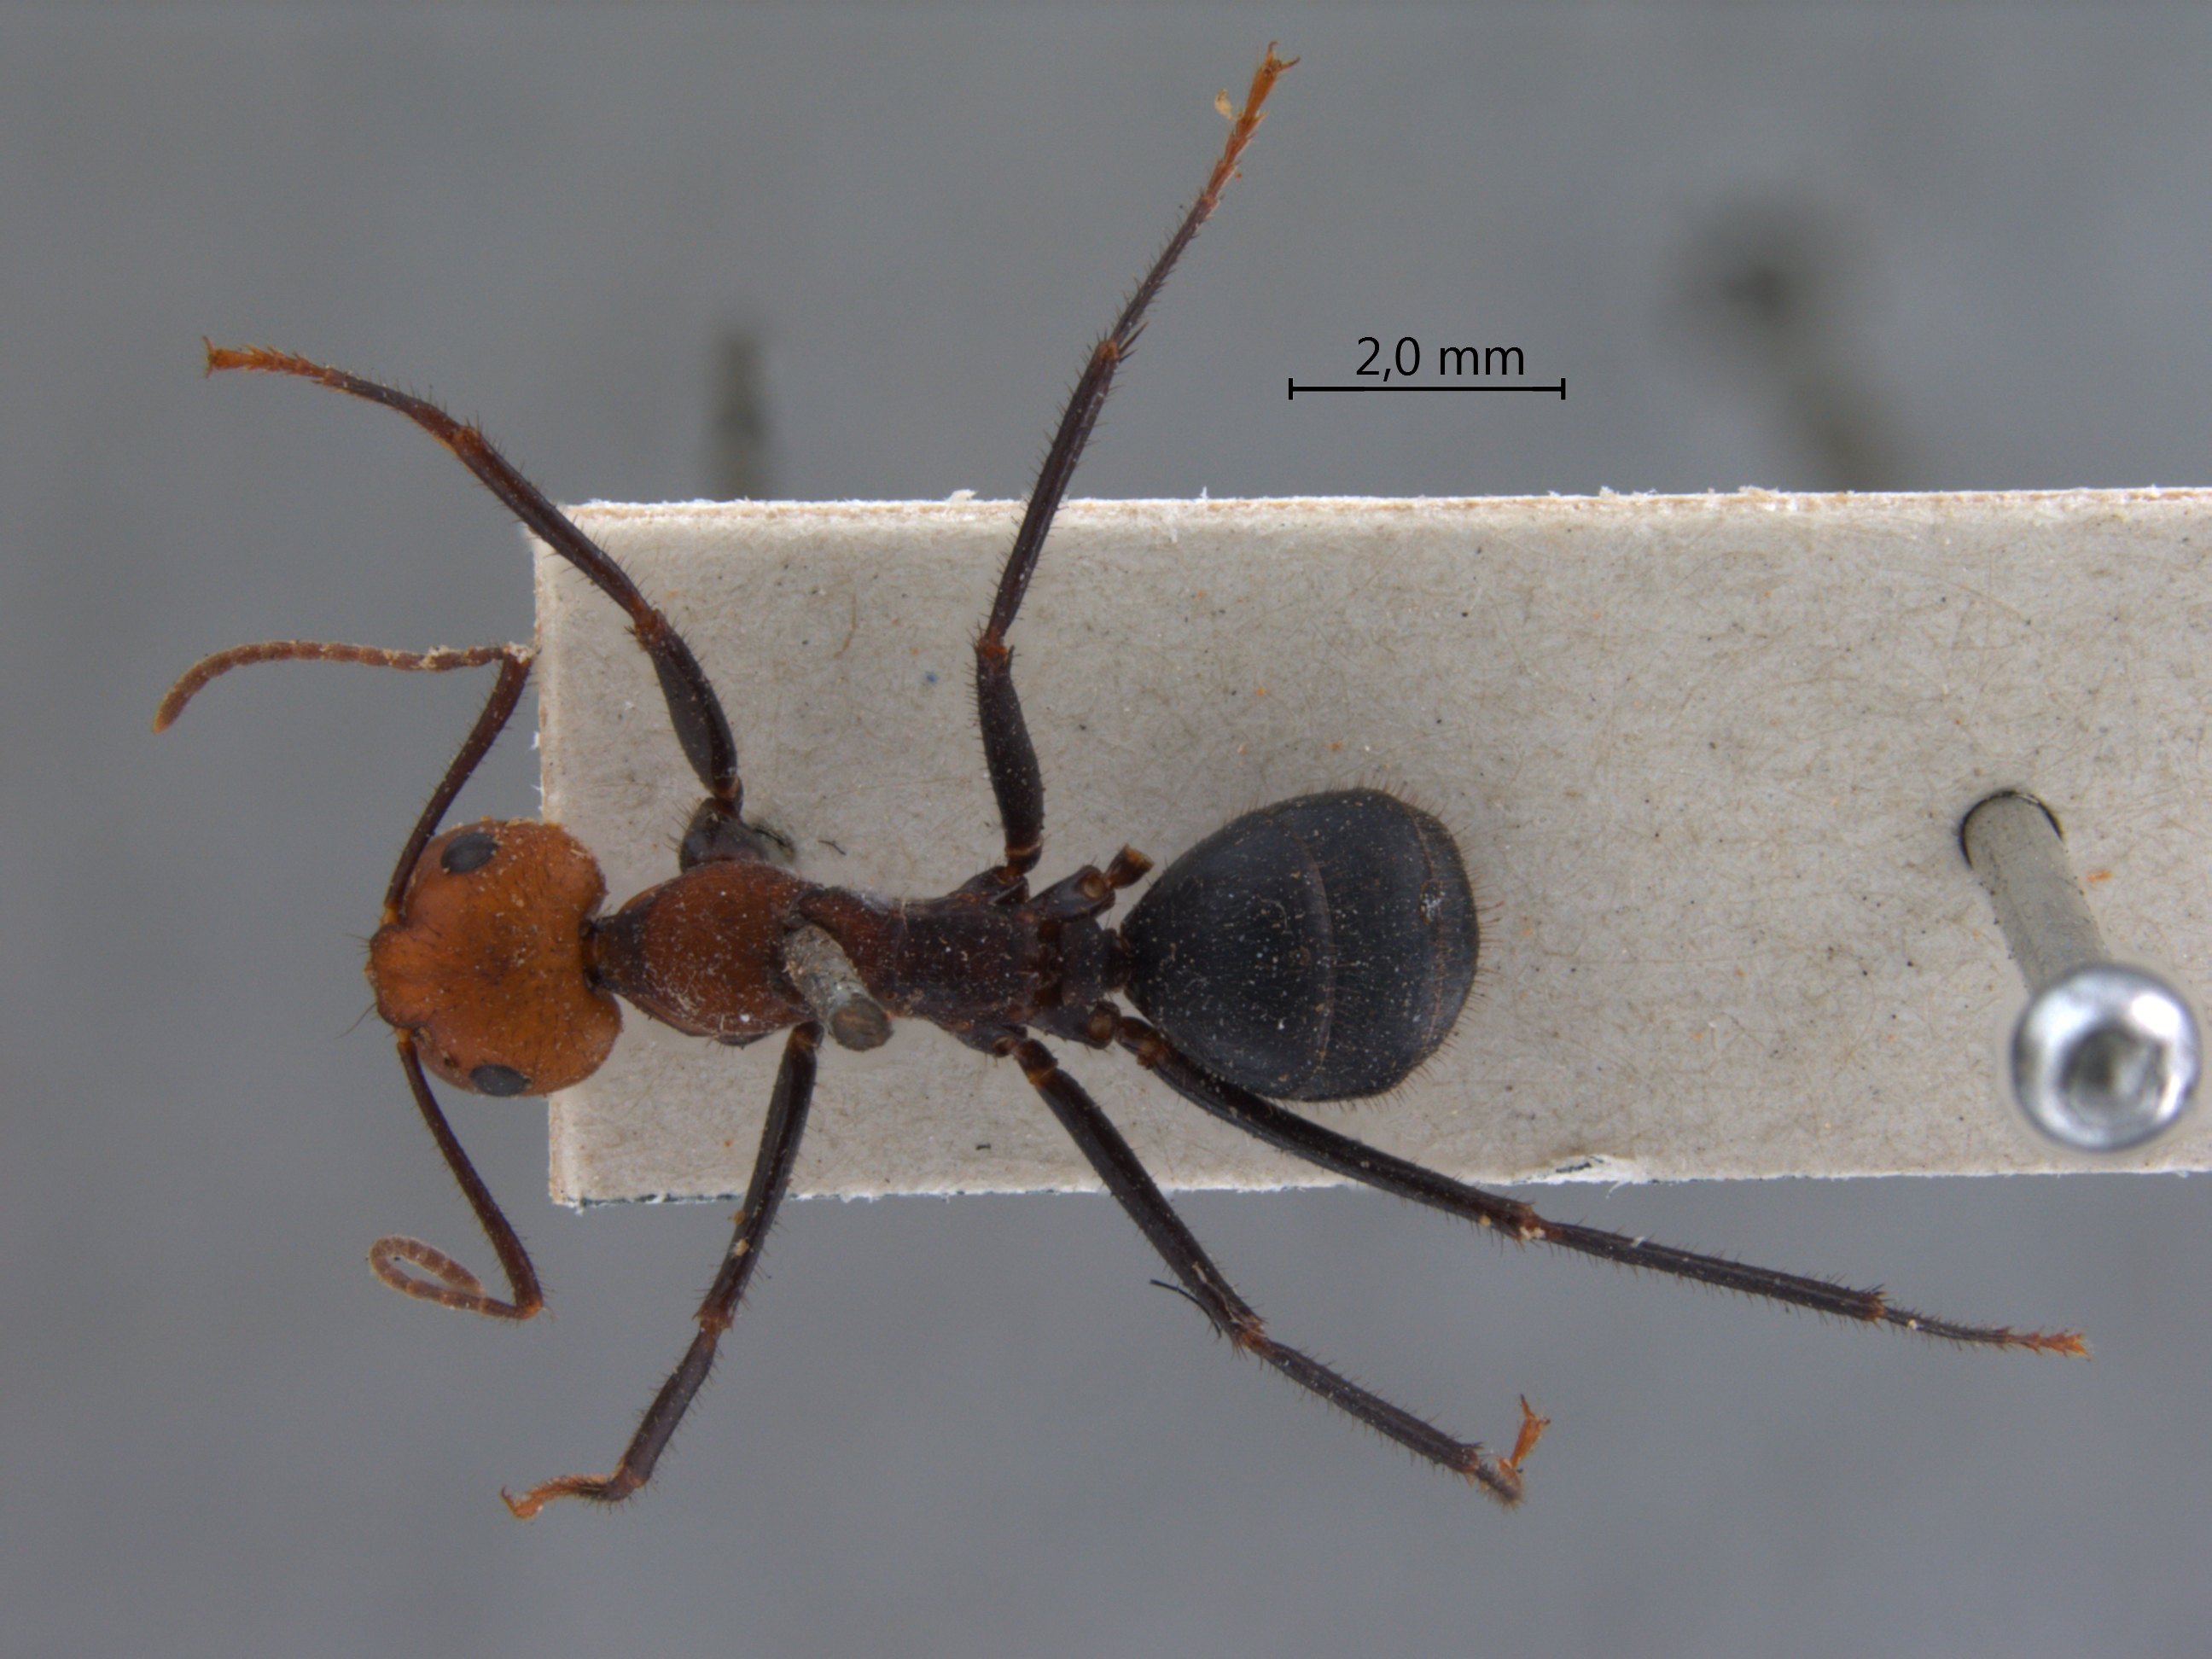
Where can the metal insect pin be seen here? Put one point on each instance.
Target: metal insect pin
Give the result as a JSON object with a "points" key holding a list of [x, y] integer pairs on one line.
{"points": [[1319, 949]]}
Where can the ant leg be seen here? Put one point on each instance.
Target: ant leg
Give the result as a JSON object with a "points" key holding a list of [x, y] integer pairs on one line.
{"points": [[1356, 1161], [1202, 1281], [449, 1284], [779, 1151], [1007, 753], [693, 709]]}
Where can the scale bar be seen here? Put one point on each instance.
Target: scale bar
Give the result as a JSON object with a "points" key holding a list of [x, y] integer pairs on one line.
{"points": [[1560, 388]]}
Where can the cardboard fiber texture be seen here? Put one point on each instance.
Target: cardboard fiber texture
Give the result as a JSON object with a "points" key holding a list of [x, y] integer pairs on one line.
{"points": [[1705, 758]]}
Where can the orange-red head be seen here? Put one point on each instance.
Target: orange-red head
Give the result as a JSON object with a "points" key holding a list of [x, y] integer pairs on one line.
{"points": [[486, 965]]}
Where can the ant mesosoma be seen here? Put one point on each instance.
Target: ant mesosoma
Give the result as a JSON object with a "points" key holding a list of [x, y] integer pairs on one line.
{"points": [[1319, 949]]}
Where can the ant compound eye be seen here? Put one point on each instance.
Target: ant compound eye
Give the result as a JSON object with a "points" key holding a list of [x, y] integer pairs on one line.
{"points": [[499, 1079], [469, 852]]}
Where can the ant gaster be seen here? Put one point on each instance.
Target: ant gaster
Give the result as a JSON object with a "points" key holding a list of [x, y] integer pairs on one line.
{"points": [[1319, 949]]}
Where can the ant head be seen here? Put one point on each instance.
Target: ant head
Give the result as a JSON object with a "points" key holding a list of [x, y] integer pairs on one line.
{"points": [[486, 963]]}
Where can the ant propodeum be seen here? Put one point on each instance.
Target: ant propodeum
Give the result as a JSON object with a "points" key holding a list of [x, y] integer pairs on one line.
{"points": [[1319, 949]]}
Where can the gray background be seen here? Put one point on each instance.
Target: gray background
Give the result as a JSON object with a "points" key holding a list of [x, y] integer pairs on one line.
{"points": [[969, 1427]]}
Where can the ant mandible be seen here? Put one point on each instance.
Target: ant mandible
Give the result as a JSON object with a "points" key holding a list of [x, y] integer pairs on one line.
{"points": [[1319, 949]]}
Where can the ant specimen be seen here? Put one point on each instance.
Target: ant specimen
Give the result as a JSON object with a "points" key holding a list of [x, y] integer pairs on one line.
{"points": [[1319, 949]]}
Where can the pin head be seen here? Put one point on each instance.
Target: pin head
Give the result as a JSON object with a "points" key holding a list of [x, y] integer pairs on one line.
{"points": [[2104, 1057]]}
